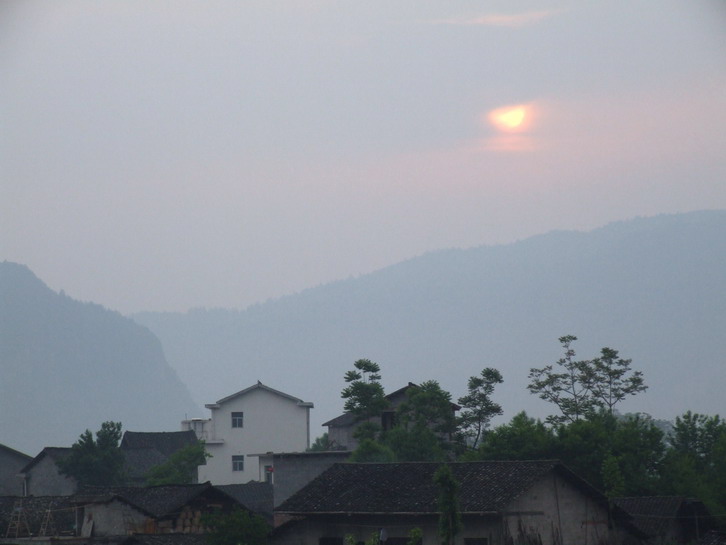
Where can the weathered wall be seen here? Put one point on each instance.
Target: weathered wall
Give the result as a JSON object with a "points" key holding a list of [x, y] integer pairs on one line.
{"points": [[114, 518], [10, 465], [295, 470], [44, 479], [555, 512]]}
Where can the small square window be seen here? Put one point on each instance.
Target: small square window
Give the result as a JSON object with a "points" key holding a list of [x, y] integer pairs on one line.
{"points": [[238, 463], [238, 420]]}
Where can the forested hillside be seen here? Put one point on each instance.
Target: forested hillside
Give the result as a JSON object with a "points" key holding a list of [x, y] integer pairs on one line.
{"points": [[68, 366], [652, 288]]}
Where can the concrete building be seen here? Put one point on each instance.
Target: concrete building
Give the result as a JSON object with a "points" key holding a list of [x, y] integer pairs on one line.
{"points": [[254, 420]]}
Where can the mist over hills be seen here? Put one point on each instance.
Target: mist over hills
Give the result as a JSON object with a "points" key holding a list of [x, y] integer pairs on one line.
{"points": [[67, 366], [652, 288]]}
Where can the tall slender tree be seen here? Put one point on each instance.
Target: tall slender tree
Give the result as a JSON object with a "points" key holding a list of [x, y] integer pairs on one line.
{"points": [[610, 379], [567, 389], [478, 408]]}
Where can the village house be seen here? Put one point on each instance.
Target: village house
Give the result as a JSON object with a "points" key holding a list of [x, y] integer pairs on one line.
{"points": [[42, 477], [256, 419], [11, 462], [145, 450], [116, 511], [142, 451], [341, 429], [500, 503], [288, 472], [669, 520]]}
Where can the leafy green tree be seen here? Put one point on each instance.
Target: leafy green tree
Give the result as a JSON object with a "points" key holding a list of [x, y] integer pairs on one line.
{"points": [[610, 379], [428, 406], [416, 444], [448, 504], [238, 527], [695, 462], [612, 477], [477, 406], [97, 462], [370, 450], [181, 467], [523, 438], [364, 396], [324, 443], [567, 389]]}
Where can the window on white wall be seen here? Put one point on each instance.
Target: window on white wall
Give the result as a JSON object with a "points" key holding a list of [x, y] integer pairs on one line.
{"points": [[238, 420], [238, 463]]}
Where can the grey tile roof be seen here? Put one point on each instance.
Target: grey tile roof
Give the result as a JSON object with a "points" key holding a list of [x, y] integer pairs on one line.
{"points": [[655, 514], [255, 496], [157, 501], [409, 487], [55, 453], [166, 442]]}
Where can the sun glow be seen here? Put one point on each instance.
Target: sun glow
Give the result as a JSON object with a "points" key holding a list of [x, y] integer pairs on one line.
{"points": [[511, 118]]}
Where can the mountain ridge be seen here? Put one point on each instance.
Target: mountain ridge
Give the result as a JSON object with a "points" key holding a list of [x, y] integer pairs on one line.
{"points": [[69, 365], [650, 287]]}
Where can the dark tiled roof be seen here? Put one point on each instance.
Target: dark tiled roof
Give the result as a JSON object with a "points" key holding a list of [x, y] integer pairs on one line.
{"points": [[15, 453], [55, 453], [409, 487], [139, 461], [255, 496], [166, 442], [655, 514], [158, 501]]}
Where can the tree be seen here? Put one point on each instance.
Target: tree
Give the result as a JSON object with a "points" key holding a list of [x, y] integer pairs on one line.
{"points": [[428, 406], [523, 438], [568, 390], [97, 462], [370, 450], [239, 527], [364, 396], [417, 444], [477, 406], [324, 443], [181, 467], [610, 380], [448, 504]]}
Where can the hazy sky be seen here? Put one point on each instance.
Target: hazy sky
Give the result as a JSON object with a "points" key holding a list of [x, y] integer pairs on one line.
{"points": [[166, 155]]}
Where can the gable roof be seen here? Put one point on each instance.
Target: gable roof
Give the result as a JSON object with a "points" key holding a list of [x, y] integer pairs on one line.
{"points": [[254, 495], [15, 453], [486, 487], [157, 501], [54, 453], [654, 514], [260, 386]]}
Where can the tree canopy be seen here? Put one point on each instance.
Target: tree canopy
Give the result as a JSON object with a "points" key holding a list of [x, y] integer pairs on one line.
{"points": [[98, 461], [181, 467]]}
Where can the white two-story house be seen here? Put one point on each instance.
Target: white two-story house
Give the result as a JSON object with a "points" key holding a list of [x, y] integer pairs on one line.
{"points": [[255, 420]]}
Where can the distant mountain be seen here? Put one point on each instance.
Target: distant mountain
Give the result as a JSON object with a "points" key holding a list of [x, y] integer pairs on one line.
{"points": [[67, 366], [653, 288]]}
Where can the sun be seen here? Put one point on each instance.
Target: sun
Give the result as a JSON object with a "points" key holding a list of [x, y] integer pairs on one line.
{"points": [[511, 118]]}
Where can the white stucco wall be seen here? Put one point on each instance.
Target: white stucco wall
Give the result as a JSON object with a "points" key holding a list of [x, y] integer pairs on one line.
{"points": [[272, 423]]}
